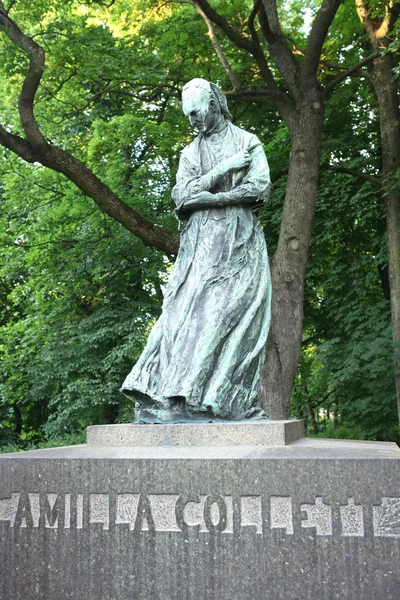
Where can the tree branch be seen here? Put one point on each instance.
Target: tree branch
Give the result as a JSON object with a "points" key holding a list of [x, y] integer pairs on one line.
{"points": [[70, 242], [277, 45], [218, 48], [338, 169], [261, 60], [394, 14], [32, 80], [17, 145], [353, 172], [280, 101], [378, 30], [36, 149], [324, 399], [231, 32], [308, 340], [250, 20], [258, 95], [329, 87], [239, 96], [316, 40], [58, 160]]}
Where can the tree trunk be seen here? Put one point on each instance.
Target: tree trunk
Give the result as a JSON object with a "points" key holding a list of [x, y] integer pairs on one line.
{"points": [[290, 261], [386, 92], [311, 411], [336, 414], [17, 419]]}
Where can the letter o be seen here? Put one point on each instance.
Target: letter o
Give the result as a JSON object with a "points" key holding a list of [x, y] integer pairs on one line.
{"points": [[221, 525]]}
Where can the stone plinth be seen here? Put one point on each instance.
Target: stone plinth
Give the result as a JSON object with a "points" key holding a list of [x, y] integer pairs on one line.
{"points": [[312, 520], [252, 433]]}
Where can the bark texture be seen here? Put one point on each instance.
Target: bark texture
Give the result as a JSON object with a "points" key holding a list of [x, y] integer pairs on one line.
{"points": [[385, 87], [290, 261], [386, 93]]}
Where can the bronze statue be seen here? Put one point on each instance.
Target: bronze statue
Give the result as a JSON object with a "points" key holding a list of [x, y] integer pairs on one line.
{"points": [[204, 356]]}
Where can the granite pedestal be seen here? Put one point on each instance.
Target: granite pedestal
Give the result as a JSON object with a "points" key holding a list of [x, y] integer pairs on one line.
{"points": [[240, 433], [303, 520]]}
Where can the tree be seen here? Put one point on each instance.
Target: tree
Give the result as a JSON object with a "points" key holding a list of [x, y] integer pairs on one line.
{"points": [[269, 62], [345, 373], [379, 20], [345, 367]]}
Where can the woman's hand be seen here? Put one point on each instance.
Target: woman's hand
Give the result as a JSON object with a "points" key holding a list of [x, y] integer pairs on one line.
{"points": [[201, 200], [240, 160]]}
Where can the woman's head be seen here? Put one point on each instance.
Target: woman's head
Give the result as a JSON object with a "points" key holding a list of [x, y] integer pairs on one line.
{"points": [[204, 104]]}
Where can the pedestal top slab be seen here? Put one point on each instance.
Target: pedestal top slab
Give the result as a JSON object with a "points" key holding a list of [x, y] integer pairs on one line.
{"points": [[303, 449], [252, 433]]}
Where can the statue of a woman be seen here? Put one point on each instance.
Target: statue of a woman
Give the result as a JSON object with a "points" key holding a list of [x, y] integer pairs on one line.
{"points": [[204, 355]]}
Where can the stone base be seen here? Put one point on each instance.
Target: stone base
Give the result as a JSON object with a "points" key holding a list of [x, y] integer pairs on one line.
{"points": [[250, 433], [312, 520]]}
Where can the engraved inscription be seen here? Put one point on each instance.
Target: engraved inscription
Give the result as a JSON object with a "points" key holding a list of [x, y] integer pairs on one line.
{"points": [[163, 511], [127, 505], [100, 509], [215, 513], [319, 516], [67, 511], [50, 509], [352, 519], [79, 511], [251, 512], [386, 518], [23, 517], [34, 501], [28, 511], [135, 510], [32, 510], [281, 513], [8, 508], [229, 514], [189, 512], [144, 519], [198, 513], [204, 513]]}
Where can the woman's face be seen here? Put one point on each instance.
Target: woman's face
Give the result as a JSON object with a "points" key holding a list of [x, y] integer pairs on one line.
{"points": [[199, 110]]}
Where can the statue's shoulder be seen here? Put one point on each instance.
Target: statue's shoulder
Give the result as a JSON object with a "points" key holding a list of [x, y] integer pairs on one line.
{"points": [[241, 135], [190, 153]]}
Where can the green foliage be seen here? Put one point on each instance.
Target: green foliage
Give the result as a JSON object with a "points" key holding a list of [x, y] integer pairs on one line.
{"points": [[346, 369], [78, 294], [341, 432], [24, 444]]}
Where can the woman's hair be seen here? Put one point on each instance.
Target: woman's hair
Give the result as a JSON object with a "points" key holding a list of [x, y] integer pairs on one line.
{"points": [[214, 92]]}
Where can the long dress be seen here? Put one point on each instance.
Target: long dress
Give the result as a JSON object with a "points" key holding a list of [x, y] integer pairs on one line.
{"points": [[204, 356]]}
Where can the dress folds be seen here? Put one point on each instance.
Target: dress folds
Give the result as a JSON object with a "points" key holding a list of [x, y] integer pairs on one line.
{"points": [[204, 356]]}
